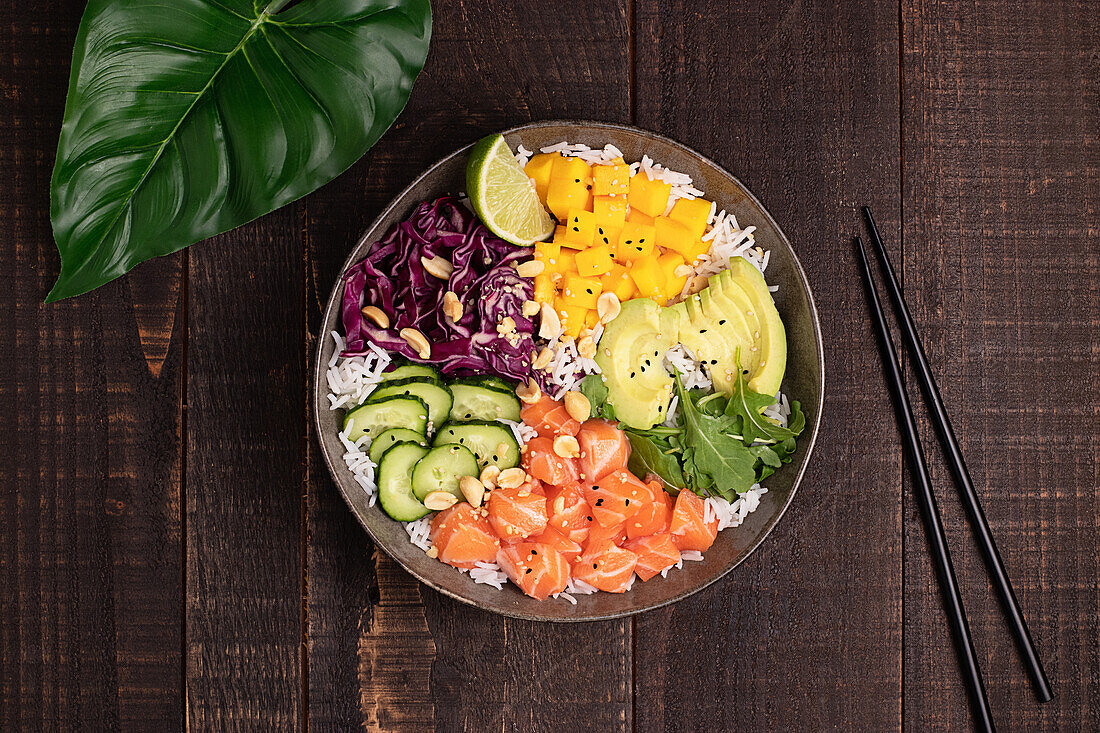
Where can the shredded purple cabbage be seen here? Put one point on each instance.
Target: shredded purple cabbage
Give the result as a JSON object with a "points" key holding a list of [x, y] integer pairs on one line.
{"points": [[392, 278]]}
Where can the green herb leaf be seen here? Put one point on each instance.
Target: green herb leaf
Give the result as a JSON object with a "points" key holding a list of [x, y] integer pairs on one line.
{"points": [[650, 455], [595, 390], [744, 409], [710, 448], [187, 119]]}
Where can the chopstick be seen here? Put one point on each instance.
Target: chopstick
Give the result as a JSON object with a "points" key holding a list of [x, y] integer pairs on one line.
{"points": [[973, 505], [926, 501]]}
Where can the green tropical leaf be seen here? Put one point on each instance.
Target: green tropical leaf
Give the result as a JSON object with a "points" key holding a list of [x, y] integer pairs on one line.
{"points": [[187, 118]]}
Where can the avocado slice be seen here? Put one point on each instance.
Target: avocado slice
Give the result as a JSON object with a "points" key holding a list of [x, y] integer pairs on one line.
{"points": [[631, 350], [732, 321]]}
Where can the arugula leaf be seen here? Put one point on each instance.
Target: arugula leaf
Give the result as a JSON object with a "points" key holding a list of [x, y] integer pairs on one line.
{"points": [[744, 408], [650, 455], [711, 448], [595, 390]]}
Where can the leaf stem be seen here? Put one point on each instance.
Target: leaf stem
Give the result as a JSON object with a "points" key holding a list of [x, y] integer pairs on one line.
{"points": [[275, 6]]}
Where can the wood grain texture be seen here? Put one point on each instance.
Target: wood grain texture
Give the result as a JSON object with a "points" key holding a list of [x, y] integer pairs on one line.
{"points": [[799, 100], [491, 66], [89, 441], [245, 437], [1002, 265]]}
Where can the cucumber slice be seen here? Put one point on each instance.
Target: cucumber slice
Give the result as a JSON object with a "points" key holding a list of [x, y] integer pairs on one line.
{"points": [[396, 412], [395, 491], [492, 443], [389, 438], [490, 381], [474, 402], [441, 469], [436, 396], [411, 371]]}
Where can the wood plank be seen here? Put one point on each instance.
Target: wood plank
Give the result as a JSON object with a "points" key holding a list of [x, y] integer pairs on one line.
{"points": [[800, 101], [1002, 264], [245, 436], [89, 441], [491, 66]]}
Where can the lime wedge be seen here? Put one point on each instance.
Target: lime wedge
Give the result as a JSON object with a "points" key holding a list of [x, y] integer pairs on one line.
{"points": [[503, 196]]}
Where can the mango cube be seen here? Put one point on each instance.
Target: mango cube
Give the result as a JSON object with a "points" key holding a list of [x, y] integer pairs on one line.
{"points": [[582, 292], [547, 252], [608, 238], [611, 180], [610, 211], [674, 283], [538, 170], [618, 281], [545, 290], [692, 213], [563, 264], [637, 217], [580, 229], [649, 278], [594, 261], [573, 170], [564, 194], [591, 320], [648, 197], [697, 248], [636, 241], [559, 233], [673, 235], [572, 317]]}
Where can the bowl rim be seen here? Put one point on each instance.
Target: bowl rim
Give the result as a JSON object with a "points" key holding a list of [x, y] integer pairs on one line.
{"points": [[319, 369]]}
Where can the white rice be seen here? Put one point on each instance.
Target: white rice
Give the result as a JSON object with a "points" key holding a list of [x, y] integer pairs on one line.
{"points": [[523, 156], [693, 374]]}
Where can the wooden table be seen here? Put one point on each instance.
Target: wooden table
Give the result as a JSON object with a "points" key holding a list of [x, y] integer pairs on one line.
{"points": [[174, 555]]}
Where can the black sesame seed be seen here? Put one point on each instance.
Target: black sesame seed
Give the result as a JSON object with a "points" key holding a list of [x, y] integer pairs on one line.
{"points": [[722, 322], [527, 571], [494, 459], [605, 241], [576, 229], [589, 519], [534, 552], [627, 502], [632, 375], [702, 330], [647, 362], [599, 502], [660, 408], [595, 566], [713, 362]]}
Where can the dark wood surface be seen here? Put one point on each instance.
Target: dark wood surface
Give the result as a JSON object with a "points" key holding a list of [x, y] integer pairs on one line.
{"points": [[173, 554]]}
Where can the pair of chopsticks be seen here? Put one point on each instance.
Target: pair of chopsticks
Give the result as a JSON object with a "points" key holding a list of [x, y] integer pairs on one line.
{"points": [[926, 500]]}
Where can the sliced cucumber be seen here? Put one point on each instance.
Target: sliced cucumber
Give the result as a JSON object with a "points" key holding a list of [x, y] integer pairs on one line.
{"points": [[475, 402], [378, 415], [389, 438], [441, 469], [492, 443], [411, 371], [436, 396], [394, 477], [490, 381]]}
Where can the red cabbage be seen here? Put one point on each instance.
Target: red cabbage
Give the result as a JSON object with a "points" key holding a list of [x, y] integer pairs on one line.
{"points": [[392, 278]]}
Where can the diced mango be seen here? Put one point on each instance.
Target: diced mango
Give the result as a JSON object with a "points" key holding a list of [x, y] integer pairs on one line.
{"points": [[693, 214], [591, 320], [559, 233], [673, 235], [572, 317], [594, 261], [581, 291], [565, 262], [545, 290], [649, 197], [674, 283], [545, 252], [538, 170], [637, 217], [618, 281], [611, 180], [564, 194], [697, 248], [580, 229], [608, 238], [635, 241], [610, 211], [573, 170], [649, 278]]}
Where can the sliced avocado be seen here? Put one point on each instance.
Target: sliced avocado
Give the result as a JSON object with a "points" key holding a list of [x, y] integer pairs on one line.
{"points": [[715, 334], [630, 357], [771, 355]]}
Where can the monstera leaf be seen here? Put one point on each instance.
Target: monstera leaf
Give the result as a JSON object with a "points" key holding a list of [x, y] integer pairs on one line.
{"points": [[186, 118]]}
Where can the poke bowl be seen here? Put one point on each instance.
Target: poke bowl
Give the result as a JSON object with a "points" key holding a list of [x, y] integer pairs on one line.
{"points": [[504, 367]]}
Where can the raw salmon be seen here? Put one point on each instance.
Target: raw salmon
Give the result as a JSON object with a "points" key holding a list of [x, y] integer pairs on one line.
{"points": [[653, 517], [688, 529], [553, 538], [605, 566], [604, 448], [616, 533], [463, 537], [617, 497], [550, 418], [540, 460], [516, 513], [539, 570], [655, 553], [569, 512]]}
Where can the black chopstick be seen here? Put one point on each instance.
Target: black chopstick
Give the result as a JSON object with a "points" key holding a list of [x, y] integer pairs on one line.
{"points": [[996, 566], [941, 556]]}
